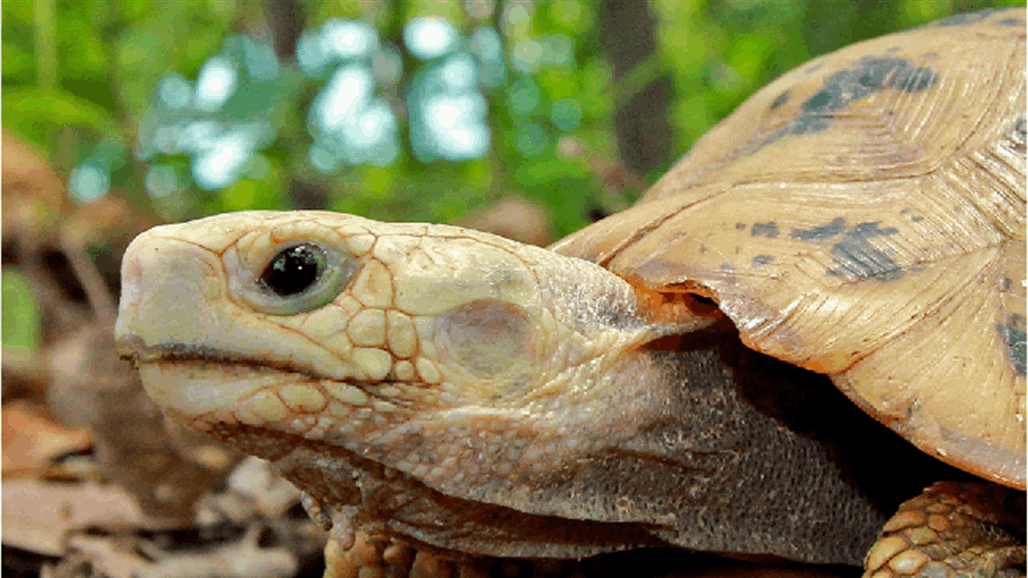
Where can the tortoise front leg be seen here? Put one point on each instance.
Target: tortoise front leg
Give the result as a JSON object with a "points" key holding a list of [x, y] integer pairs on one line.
{"points": [[953, 529]]}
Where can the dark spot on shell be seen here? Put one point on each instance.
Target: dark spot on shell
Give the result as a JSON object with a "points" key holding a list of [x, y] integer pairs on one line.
{"points": [[740, 226], [870, 75], [857, 258], [768, 229], [761, 260], [914, 218], [779, 133], [703, 248], [727, 265], [1013, 336], [893, 50], [915, 80], [822, 233], [966, 18], [1011, 22], [814, 68], [1005, 283], [867, 76], [782, 99], [1019, 136]]}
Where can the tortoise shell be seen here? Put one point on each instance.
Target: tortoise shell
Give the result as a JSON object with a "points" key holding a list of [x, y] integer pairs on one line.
{"points": [[864, 217]]}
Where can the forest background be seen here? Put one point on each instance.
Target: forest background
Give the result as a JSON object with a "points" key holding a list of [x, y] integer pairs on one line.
{"points": [[194, 107]]}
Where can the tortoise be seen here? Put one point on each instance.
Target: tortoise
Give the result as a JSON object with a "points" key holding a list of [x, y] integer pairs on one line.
{"points": [[663, 376]]}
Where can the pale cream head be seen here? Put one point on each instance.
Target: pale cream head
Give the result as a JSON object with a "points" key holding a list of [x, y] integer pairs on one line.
{"points": [[370, 333]]}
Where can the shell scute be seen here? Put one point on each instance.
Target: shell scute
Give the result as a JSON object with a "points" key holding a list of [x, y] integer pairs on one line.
{"points": [[883, 192]]}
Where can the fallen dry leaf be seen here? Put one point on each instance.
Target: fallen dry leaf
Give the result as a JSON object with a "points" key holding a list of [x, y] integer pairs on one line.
{"points": [[123, 558], [38, 516], [31, 439]]}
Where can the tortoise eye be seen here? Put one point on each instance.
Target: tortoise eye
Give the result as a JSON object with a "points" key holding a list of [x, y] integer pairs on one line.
{"points": [[299, 277], [294, 270]]}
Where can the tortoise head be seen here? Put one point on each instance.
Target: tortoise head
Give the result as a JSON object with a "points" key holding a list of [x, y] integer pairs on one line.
{"points": [[427, 348]]}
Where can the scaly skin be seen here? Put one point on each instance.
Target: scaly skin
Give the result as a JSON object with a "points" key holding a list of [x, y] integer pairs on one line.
{"points": [[469, 395], [952, 530]]}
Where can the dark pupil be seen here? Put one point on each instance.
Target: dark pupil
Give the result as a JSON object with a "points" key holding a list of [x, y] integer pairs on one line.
{"points": [[293, 271]]}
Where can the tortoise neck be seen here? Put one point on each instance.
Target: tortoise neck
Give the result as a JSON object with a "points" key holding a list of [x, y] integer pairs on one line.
{"points": [[762, 457]]}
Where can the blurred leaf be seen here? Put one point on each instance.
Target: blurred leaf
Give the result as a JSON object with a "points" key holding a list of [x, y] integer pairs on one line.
{"points": [[573, 16], [32, 112], [558, 82], [454, 203], [367, 11], [693, 116], [379, 182], [478, 173], [17, 63], [641, 75], [44, 36], [748, 56], [180, 36], [82, 52], [595, 97], [16, 13], [21, 318], [250, 194], [133, 10], [534, 173], [569, 198], [451, 10]]}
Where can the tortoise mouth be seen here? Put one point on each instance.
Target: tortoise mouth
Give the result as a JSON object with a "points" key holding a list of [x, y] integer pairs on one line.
{"points": [[136, 351], [202, 387], [194, 389]]}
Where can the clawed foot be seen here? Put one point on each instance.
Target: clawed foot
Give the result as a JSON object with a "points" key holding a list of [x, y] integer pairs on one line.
{"points": [[371, 557], [953, 530]]}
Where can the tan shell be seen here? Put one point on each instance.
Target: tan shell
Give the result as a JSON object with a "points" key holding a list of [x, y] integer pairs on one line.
{"points": [[864, 216]]}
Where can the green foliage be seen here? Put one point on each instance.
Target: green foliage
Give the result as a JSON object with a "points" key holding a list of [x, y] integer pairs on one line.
{"points": [[20, 313], [79, 74], [33, 111]]}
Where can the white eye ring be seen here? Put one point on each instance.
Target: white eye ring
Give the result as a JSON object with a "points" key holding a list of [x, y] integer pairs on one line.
{"points": [[249, 279]]}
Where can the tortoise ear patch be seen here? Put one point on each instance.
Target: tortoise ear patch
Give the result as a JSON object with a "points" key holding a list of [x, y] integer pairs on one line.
{"points": [[486, 337]]}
